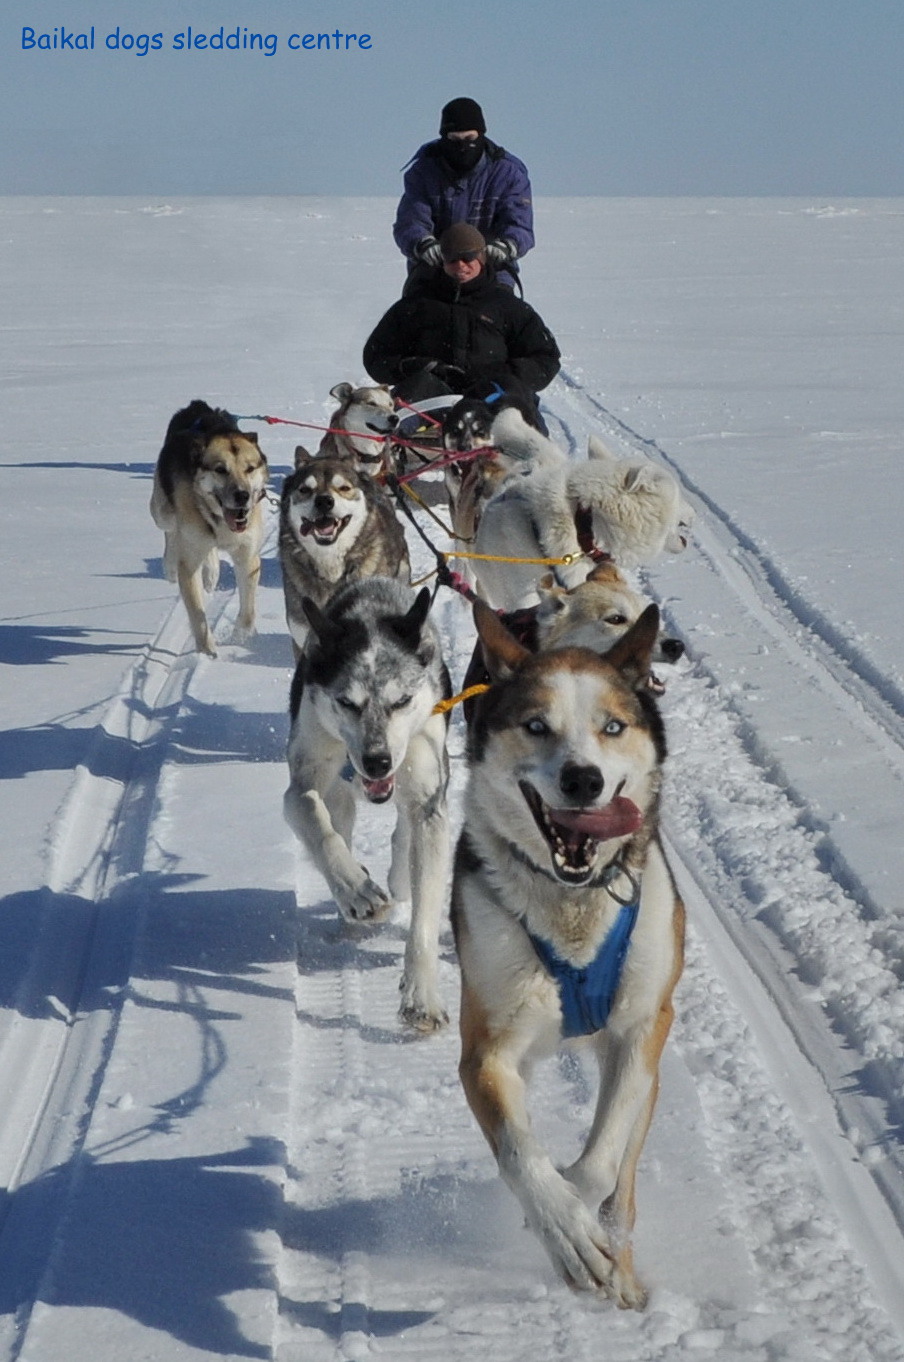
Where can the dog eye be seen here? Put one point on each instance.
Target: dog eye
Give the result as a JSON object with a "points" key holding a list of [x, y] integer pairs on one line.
{"points": [[400, 704], [616, 619], [350, 705], [614, 728], [220, 468], [537, 728]]}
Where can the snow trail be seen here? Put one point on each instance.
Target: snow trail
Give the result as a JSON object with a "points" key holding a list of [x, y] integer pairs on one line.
{"points": [[217, 1140]]}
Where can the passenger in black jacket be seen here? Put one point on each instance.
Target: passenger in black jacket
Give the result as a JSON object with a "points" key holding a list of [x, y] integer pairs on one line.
{"points": [[461, 332]]}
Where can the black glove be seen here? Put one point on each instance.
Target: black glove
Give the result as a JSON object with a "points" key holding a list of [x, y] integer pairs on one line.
{"points": [[427, 251], [501, 252], [449, 373], [415, 364]]}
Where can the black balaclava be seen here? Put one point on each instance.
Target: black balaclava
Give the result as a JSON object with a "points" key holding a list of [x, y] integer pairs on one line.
{"points": [[462, 157], [462, 115]]}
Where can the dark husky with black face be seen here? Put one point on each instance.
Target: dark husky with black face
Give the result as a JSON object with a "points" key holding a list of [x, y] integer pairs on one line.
{"points": [[209, 484], [365, 723], [336, 525], [567, 924]]}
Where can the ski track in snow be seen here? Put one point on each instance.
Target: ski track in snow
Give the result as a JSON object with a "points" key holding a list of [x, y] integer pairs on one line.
{"points": [[395, 1235]]}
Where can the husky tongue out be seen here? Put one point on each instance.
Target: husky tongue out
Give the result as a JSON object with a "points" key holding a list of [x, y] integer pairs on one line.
{"points": [[378, 791], [236, 520], [619, 818], [574, 835]]}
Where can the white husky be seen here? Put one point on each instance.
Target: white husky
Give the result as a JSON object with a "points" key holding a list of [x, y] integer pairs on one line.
{"points": [[628, 510]]}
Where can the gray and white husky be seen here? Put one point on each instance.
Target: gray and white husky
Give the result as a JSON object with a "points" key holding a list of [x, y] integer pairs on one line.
{"points": [[365, 725]]}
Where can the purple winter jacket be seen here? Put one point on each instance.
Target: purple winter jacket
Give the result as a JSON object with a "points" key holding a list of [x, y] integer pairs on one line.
{"points": [[495, 197]]}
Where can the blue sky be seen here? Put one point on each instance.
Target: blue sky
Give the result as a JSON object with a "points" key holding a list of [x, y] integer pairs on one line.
{"points": [[698, 97]]}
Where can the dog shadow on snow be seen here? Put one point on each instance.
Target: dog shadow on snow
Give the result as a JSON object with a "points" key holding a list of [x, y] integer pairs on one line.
{"points": [[328, 944], [166, 1241], [163, 1241], [271, 575], [433, 1225]]}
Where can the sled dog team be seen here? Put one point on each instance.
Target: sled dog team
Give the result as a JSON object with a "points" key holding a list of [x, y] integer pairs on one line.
{"points": [[565, 915]]}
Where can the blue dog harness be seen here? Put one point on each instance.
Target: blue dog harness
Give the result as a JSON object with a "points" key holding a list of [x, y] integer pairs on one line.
{"points": [[586, 993]]}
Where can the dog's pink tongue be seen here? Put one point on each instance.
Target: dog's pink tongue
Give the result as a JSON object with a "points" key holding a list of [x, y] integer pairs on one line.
{"points": [[619, 818]]}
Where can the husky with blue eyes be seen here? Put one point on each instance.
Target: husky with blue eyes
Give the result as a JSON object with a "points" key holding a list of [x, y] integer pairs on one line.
{"points": [[366, 725], [568, 928]]}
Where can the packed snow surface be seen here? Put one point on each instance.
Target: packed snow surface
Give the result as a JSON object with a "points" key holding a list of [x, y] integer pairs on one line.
{"points": [[216, 1139]]}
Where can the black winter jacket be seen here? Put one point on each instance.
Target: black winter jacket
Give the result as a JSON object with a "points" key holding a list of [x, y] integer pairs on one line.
{"points": [[479, 327]]}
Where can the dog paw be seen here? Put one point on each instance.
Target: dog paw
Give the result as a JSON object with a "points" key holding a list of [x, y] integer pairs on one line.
{"points": [[365, 902], [241, 633], [626, 1291], [423, 1012], [575, 1240]]}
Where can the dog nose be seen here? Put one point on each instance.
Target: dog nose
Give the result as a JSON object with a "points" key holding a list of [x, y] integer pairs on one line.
{"points": [[323, 503], [672, 649], [581, 784], [376, 764], [241, 496]]}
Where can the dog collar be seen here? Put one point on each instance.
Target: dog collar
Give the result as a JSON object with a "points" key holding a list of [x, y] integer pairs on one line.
{"points": [[586, 993]]}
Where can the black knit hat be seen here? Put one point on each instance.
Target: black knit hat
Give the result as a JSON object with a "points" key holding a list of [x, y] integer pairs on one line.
{"points": [[462, 115]]}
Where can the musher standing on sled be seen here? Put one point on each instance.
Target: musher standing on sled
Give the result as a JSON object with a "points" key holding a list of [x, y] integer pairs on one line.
{"points": [[464, 177]]}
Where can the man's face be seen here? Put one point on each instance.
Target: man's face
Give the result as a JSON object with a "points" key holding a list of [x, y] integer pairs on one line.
{"points": [[470, 136], [464, 268]]}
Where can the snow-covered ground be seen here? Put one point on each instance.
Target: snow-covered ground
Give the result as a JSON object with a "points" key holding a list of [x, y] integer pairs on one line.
{"points": [[215, 1139]]}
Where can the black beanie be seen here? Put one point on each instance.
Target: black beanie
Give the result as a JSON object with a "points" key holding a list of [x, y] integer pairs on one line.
{"points": [[462, 115]]}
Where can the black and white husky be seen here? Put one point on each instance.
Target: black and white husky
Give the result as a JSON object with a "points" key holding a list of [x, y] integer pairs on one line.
{"points": [[567, 925], [365, 725]]}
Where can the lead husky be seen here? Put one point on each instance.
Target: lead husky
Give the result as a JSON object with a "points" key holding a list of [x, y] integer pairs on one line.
{"points": [[567, 924], [628, 510], [364, 723], [209, 483]]}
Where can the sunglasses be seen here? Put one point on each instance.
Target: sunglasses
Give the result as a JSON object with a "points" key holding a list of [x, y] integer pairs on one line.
{"points": [[466, 257]]}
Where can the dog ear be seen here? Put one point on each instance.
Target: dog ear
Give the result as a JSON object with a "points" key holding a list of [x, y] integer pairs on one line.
{"points": [[324, 628], [552, 596], [408, 628], [502, 653], [632, 655], [301, 455], [342, 392], [597, 450], [605, 573], [643, 477], [250, 435]]}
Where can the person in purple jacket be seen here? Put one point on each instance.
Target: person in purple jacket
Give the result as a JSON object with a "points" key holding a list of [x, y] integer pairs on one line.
{"points": [[464, 177]]}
